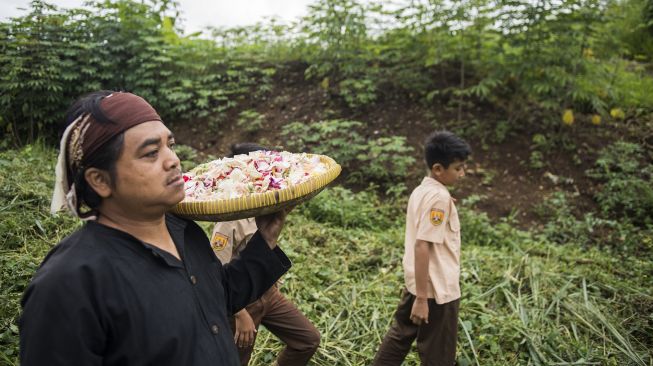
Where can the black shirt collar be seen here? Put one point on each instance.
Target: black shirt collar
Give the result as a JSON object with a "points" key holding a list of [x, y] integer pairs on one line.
{"points": [[176, 226]]}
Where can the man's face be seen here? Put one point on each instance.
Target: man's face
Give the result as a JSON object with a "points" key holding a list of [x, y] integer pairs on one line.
{"points": [[451, 174], [148, 172]]}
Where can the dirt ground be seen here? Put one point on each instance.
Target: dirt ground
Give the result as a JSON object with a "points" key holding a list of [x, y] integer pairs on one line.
{"points": [[500, 169]]}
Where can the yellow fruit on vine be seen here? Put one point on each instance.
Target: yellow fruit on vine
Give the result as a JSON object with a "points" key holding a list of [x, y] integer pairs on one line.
{"points": [[596, 119], [568, 117], [617, 113]]}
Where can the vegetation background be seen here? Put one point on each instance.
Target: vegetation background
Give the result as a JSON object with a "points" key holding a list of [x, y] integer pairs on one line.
{"points": [[556, 98]]}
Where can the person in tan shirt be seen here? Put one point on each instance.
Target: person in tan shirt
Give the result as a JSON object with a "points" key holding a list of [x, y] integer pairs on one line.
{"points": [[278, 314], [428, 309]]}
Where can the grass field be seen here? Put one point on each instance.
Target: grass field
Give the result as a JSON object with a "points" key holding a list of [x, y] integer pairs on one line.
{"points": [[526, 301]]}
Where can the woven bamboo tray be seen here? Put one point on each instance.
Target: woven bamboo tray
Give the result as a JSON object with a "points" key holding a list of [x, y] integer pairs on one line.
{"points": [[259, 203]]}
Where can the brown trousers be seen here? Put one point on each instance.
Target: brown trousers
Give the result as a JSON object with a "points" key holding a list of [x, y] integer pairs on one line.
{"points": [[436, 341], [282, 318]]}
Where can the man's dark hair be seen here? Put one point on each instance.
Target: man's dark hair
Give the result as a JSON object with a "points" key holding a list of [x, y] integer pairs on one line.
{"points": [[245, 148], [104, 158], [444, 147]]}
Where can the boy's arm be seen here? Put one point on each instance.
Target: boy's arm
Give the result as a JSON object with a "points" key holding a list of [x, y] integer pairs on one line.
{"points": [[245, 329], [420, 310]]}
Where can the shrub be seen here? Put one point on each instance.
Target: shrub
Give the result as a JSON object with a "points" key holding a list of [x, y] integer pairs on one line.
{"points": [[341, 207], [384, 160], [626, 175], [250, 120]]}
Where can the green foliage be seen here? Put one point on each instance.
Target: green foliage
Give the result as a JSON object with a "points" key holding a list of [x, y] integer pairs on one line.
{"points": [[385, 159], [336, 46], [188, 156], [27, 231], [335, 33], [250, 120], [50, 57], [583, 54], [343, 208], [538, 148], [525, 300], [43, 61], [479, 230], [25, 192], [358, 92], [630, 28], [626, 174], [587, 229], [548, 53]]}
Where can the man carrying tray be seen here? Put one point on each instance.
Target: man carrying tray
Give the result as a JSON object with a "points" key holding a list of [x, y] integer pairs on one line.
{"points": [[134, 285], [278, 314]]}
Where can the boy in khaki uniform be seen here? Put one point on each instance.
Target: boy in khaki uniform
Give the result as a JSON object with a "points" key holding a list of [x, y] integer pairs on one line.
{"points": [[278, 314], [428, 309]]}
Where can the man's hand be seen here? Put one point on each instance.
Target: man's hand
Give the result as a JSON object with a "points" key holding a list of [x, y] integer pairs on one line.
{"points": [[245, 329], [420, 312], [270, 226]]}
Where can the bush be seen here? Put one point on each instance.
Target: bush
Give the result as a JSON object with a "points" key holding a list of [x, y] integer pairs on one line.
{"points": [[188, 156], [50, 57], [250, 120], [525, 301], [27, 231], [341, 207], [626, 174], [384, 160], [562, 226]]}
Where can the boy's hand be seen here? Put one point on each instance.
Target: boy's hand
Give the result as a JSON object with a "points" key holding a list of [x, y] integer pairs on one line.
{"points": [[420, 312], [245, 329]]}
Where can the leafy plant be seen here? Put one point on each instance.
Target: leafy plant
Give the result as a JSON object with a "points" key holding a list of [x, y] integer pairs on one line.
{"points": [[358, 93], [341, 207], [384, 160], [525, 299], [250, 120], [626, 174], [50, 57]]}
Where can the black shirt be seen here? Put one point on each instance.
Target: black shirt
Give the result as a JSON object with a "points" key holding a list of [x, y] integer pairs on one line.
{"points": [[103, 297]]}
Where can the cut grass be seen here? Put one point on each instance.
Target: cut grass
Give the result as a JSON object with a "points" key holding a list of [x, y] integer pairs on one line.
{"points": [[525, 301]]}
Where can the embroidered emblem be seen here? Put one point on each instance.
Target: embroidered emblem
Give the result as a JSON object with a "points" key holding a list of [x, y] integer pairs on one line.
{"points": [[219, 242], [437, 216]]}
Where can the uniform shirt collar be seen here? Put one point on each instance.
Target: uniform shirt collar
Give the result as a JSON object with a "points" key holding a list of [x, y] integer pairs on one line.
{"points": [[432, 182]]}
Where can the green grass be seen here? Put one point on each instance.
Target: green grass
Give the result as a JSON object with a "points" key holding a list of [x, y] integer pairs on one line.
{"points": [[526, 301]]}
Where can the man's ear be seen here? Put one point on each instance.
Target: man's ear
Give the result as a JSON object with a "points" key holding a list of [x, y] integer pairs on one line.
{"points": [[100, 181]]}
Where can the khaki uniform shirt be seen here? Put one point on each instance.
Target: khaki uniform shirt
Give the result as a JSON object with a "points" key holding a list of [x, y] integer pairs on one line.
{"points": [[432, 216], [230, 237]]}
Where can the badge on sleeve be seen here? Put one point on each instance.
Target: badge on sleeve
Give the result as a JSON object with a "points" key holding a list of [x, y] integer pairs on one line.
{"points": [[437, 216], [219, 241]]}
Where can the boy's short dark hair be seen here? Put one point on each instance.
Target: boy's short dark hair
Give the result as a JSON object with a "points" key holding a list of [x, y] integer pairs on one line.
{"points": [[245, 148], [444, 147]]}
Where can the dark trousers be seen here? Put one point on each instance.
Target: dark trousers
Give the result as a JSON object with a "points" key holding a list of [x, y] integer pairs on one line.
{"points": [[282, 318], [436, 341]]}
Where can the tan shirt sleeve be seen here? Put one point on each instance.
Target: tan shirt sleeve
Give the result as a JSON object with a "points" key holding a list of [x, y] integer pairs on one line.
{"points": [[222, 240], [432, 218]]}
